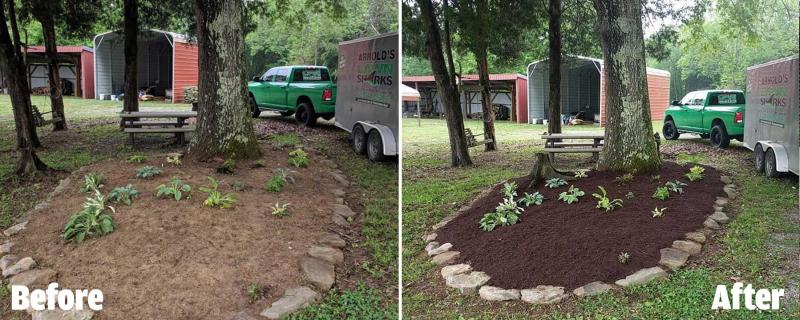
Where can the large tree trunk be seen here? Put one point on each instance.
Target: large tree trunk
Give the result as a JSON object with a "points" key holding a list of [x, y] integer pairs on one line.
{"points": [[31, 127], [131, 33], [629, 143], [53, 76], [27, 163], [445, 84], [486, 100], [554, 37], [224, 124], [448, 46]]}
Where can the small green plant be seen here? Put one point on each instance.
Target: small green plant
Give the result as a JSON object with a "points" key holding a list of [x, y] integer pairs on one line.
{"points": [[298, 158], [255, 292], [675, 186], [509, 190], [571, 195], [658, 213], [93, 220], [282, 140], [603, 202], [623, 258], [216, 198], [148, 172], [625, 178], [695, 173], [529, 199], [686, 158], [554, 183], [278, 181], [280, 210], [92, 182], [655, 178], [238, 185], [662, 193], [124, 194], [581, 173], [175, 160], [258, 164], [137, 158], [227, 167], [630, 195], [507, 213], [176, 189]]}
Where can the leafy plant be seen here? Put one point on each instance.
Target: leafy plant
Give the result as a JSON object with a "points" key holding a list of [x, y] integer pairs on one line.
{"points": [[298, 158], [137, 158], [92, 182], [695, 173], [571, 195], [623, 258], [507, 213], [238, 185], [227, 167], [255, 292], [625, 178], [581, 173], [662, 193], [282, 140], [92, 221], [258, 164], [603, 202], [278, 181], [174, 160], [529, 199], [658, 213], [124, 194], [148, 172], [509, 190], [280, 209], [630, 195], [555, 183], [655, 178], [216, 198], [176, 189], [675, 186]]}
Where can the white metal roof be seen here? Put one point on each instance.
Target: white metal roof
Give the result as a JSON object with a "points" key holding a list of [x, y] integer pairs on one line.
{"points": [[175, 36], [598, 61]]}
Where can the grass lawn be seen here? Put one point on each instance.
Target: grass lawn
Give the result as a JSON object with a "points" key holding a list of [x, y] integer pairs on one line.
{"points": [[749, 249]]}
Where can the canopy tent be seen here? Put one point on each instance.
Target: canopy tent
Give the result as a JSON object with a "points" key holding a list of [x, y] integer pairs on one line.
{"points": [[408, 93]]}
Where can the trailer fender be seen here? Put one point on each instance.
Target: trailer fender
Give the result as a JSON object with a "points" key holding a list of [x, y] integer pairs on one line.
{"points": [[781, 157], [389, 142]]}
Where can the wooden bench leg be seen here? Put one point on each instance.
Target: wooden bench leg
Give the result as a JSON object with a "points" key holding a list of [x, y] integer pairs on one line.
{"points": [[180, 137], [132, 140]]}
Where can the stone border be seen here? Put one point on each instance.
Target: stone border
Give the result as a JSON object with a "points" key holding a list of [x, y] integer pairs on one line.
{"points": [[318, 266], [468, 281]]}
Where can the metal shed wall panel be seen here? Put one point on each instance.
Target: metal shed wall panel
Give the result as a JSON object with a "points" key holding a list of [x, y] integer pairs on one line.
{"points": [[87, 74], [185, 68], [657, 89], [522, 99]]}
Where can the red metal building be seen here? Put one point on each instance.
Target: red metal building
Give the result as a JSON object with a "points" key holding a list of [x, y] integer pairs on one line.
{"points": [[76, 69]]}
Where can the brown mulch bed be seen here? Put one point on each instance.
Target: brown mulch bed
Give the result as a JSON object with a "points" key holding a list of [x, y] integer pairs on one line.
{"points": [[181, 260], [572, 245]]}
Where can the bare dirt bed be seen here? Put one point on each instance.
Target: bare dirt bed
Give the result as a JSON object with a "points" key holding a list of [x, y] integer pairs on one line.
{"points": [[181, 260], [573, 245]]}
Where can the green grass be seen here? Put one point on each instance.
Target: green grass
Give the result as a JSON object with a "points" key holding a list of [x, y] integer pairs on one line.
{"points": [[77, 108], [288, 139], [360, 303]]}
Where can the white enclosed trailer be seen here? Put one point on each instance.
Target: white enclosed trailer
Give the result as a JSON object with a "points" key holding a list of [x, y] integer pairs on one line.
{"points": [[367, 97], [772, 117]]}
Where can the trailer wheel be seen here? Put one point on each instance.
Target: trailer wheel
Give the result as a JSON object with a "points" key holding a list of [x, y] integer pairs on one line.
{"points": [[254, 107], [758, 158], [359, 139], [770, 164], [375, 146], [719, 136], [670, 131], [305, 114]]}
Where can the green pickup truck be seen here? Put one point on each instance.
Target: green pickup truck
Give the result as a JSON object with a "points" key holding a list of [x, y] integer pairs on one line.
{"points": [[305, 91], [714, 114]]}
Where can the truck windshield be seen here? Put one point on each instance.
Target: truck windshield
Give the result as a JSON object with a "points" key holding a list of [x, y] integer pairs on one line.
{"points": [[310, 75], [726, 98]]}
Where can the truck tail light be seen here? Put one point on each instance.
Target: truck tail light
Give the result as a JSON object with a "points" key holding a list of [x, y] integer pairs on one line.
{"points": [[738, 118], [327, 95]]}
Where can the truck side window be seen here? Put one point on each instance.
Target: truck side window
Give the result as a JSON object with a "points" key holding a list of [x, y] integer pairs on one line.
{"points": [[687, 99], [281, 75], [267, 77]]}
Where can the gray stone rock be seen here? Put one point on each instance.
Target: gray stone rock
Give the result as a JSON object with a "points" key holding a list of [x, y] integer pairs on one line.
{"points": [[698, 237], [642, 276], [21, 266], [592, 289], [706, 231], [718, 208], [721, 202], [5, 248], [293, 300], [444, 221], [455, 269], [15, 229], [437, 249], [692, 248], [329, 254], [8, 261], [41, 206], [711, 224], [430, 237], [332, 240], [543, 294], [58, 314], [467, 283], [318, 272], [445, 258], [62, 185], [726, 179], [36, 277], [673, 258], [340, 179], [732, 194], [498, 294], [243, 316], [720, 217], [338, 192], [339, 200], [339, 221], [343, 211]]}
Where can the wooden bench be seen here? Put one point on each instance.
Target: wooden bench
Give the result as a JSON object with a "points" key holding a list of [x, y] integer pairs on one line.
{"points": [[38, 117], [472, 140], [133, 124], [554, 143]]}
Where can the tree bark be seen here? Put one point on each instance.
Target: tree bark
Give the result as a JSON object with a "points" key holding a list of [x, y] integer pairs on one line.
{"points": [[27, 163], [224, 124], [543, 170], [53, 76], [486, 100], [448, 45], [554, 37], [31, 127], [130, 30], [629, 143], [459, 152]]}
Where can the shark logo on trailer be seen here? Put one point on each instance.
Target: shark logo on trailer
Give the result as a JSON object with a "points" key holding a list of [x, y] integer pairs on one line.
{"points": [[23, 298], [765, 299]]}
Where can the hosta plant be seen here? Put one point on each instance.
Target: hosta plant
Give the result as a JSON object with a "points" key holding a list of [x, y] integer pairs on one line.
{"points": [[298, 158], [695, 173], [623, 258], [280, 210], [124, 194], [506, 214], [92, 182], [227, 167], [570, 196], [175, 160], [554, 183], [509, 190], [662, 193], [625, 178], [630, 195], [529, 199], [278, 181], [603, 202], [581, 173], [216, 198], [655, 178], [93, 220], [137, 158], [658, 212], [675, 186], [238, 185], [148, 172], [176, 189]]}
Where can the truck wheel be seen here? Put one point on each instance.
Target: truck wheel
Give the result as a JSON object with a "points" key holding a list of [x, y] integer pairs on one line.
{"points": [[254, 107], [375, 147], [286, 113], [758, 158], [305, 114], [359, 140], [670, 131], [770, 165], [719, 136]]}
